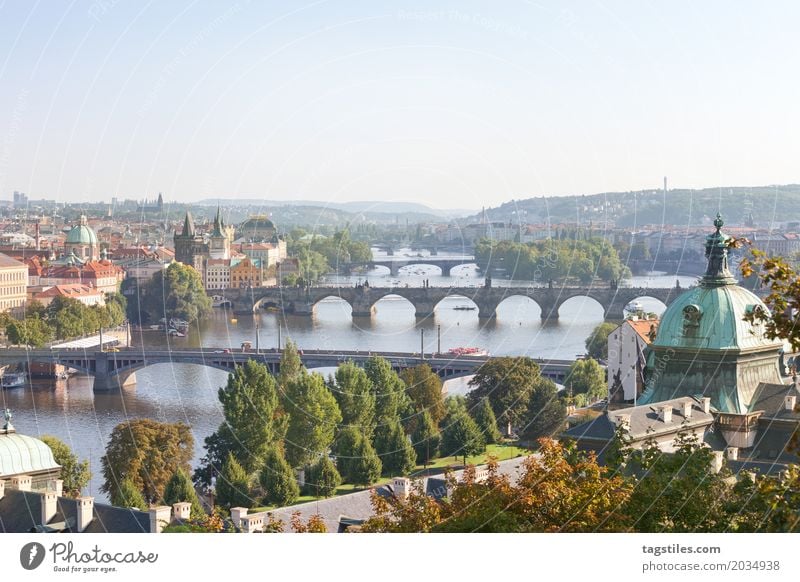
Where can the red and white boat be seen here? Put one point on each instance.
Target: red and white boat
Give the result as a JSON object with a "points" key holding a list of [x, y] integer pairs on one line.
{"points": [[476, 352]]}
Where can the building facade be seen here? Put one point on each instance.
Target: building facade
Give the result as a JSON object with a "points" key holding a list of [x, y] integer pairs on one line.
{"points": [[626, 360], [13, 285]]}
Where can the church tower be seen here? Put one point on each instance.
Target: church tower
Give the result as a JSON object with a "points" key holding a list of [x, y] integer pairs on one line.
{"points": [[190, 248]]}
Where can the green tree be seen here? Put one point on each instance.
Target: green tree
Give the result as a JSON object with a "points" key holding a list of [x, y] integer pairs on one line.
{"points": [[278, 480], [253, 421], [313, 418], [546, 412], [507, 383], [31, 331], [75, 474], [396, 453], [587, 377], [291, 366], [461, 437], [597, 342], [322, 478], [147, 452], [483, 415], [232, 485], [354, 394], [426, 438], [70, 318], [356, 459], [116, 307], [425, 390], [390, 391], [179, 488], [128, 495], [176, 292]]}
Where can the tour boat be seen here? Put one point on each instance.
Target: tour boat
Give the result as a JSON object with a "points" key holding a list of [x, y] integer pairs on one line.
{"points": [[464, 308], [478, 352], [12, 380], [634, 307]]}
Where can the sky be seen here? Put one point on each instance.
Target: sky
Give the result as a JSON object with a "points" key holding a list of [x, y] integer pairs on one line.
{"points": [[453, 104]]}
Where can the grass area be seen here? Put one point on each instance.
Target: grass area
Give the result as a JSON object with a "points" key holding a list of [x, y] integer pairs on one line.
{"points": [[501, 451]]}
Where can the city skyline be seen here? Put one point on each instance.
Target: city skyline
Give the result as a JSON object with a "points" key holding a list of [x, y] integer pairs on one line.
{"points": [[455, 106]]}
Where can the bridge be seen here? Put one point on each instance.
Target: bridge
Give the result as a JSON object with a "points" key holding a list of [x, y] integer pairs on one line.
{"points": [[362, 299], [113, 370], [394, 264]]}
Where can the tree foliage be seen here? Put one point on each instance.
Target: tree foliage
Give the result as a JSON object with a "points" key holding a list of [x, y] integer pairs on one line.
{"points": [[313, 418], [484, 417], [180, 489], [322, 478], [587, 377], [389, 389], [74, 473], [355, 396], [356, 459], [233, 485], [128, 495], [508, 383], [426, 438], [546, 412], [425, 390], [597, 342], [278, 479], [175, 292], [461, 436], [396, 453], [147, 452]]}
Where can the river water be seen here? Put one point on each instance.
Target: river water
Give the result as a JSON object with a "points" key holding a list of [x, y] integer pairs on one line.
{"points": [[182, 392]]}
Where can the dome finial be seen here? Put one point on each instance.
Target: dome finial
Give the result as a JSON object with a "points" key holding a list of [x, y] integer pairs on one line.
{"points": [[718, 222], [717, 272]]}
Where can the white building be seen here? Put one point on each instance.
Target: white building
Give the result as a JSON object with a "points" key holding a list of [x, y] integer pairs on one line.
{"points": [[626, 360], [217, 274]]}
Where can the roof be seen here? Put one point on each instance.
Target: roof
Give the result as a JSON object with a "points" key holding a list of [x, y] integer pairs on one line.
{"points": [[771, 398], [21, 512], [21, 454], [6, 262], [642, 327], [81, 234], [73, 290]]}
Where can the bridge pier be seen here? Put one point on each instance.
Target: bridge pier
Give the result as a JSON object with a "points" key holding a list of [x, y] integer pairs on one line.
{"points": [[615, 312], [113, 383], [487, 311]]}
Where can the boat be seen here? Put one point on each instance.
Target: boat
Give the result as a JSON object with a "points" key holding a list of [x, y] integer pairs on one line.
{"points": [[464, 308], [634, 307], [175, 333], [474, 352], [12, 380]]}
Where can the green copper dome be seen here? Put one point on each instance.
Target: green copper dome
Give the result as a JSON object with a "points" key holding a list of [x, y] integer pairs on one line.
{"points": [[21, 454], [81, 234], [704, 345]]}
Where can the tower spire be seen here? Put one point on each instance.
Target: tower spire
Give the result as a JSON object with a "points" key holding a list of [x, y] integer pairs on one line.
{"points": [[717, 271]]}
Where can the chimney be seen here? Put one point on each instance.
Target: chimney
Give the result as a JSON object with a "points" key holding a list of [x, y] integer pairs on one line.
{"points": [[717, 461], [159, 517], [252, 523], [733, 453], [237, 513], [706, 404], [85, 512], [56, 486], [401, 486], [2, 488], [687, 408], [49, 507], [21, 482], [182, 510], [665, 413], [623, 420], [790, 402]]}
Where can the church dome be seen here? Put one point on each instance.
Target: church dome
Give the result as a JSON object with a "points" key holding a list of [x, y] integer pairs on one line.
{"points": [[257, 227], [81, 234], [21, 454]]}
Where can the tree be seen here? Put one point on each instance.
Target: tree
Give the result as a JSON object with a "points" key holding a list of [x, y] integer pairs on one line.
{"points": [[180, 489], [426, 438], [127, 495], [597, 342], [507, 383], [587, 377], [462, 437], [313, 418], [75, 474], [278, 480], [147, 452], [291, 366], [354, 394], [546, 412], [233, 486], [322, 478], [396, 453], [356, 459], [483, 415], [389, 389], [560, 490], [70, 318], [425, 390], [31, 331], [253, 422], [176, 292]]}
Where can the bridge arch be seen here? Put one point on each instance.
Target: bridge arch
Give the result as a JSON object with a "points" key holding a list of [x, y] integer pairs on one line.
{"points": [[408, 269], [391, 295], [650, 304], [580, 305], [518, 307], [456, 301], [331, 298]]}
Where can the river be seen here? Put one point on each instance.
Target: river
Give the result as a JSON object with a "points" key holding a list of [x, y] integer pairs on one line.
{"points": [[181, 392]]}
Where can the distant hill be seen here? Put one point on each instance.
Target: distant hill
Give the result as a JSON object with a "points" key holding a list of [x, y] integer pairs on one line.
{"points": [[768, 204]]}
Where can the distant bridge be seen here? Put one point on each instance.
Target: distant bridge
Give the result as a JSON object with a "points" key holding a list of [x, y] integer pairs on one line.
{"points": [[394, 264], [301, 301], [112, 370]]}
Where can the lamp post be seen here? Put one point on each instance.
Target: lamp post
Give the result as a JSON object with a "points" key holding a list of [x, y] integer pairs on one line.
{"points": [[255, 320], [438, 339], [422, 344]]}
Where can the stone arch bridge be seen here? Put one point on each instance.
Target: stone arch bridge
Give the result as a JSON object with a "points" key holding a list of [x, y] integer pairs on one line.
{"points": [[113, 370], [301, 301]]}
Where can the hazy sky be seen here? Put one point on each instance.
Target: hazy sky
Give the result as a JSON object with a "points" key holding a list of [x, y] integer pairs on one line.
{"points": [[448, 103]]}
